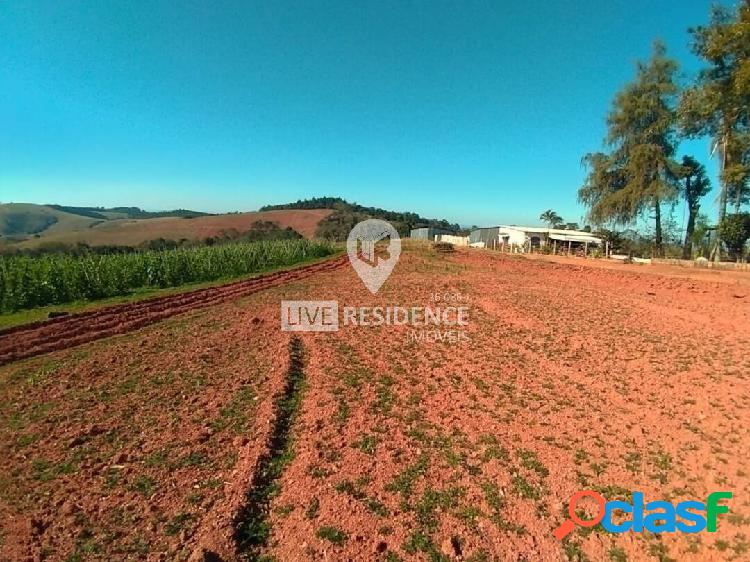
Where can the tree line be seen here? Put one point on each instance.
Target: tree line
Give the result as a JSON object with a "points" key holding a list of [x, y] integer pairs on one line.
{"points": [[258, 231], [337, 225], [638, 171]]}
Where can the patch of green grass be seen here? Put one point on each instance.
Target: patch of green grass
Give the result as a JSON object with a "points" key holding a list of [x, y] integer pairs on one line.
{"points": [[525, 489], [44, 470], [617, 554], [433, 500], [42, 373], [332, 534], [144, 485], [126, 386], [193, 458], [178, 523], [404, 482], [313, 509], [284, 510], [385, 398], [740, 546], [367, 444], [633, 461], [112, 478], [599, 468], [235, 416], [492, 495], [469, 515], [659, 550], [157, 458], [139, 545], [377, 507], [343, 410], [480, 384], [479, 556], [26, 440], [581, 456], [574, 553], [721, 545], [736, 519], [531, 461], [318, 472], [614, 492], [372, 504], [662, 461], [496, 452], [15, 421], [420, 542], [195, 498], [353, 379]]}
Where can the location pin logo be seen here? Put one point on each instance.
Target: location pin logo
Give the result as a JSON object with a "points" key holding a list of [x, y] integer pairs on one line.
{"points": [[373, 262]]}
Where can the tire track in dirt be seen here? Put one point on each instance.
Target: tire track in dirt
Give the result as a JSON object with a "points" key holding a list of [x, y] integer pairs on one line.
{"points": [[33, 339]]}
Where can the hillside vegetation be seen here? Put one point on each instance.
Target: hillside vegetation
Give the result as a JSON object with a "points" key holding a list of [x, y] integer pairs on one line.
{"points": [[345, 215], [27, 226], [105, 213], [21, 220]]}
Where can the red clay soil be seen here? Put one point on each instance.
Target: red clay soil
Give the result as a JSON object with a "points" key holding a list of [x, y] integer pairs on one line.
{"points": [[574, 377], [130, 232], [140, 447], [41, 337], [730, 276]]}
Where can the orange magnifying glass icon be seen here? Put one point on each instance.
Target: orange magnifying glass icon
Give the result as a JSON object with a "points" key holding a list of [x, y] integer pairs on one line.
{"points": [[569, 524]]}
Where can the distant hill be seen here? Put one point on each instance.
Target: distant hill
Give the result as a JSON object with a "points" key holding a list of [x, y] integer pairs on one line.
{"points": [[25, 225], [345, 215], [21, 220], [105, 213]]}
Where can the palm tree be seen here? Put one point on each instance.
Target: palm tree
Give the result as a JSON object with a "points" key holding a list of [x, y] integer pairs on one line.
{"points": [[551, 218]]}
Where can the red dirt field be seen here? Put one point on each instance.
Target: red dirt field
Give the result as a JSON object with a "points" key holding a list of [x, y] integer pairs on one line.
{"points": [[131, 232], [143, 446], [32, 339]]}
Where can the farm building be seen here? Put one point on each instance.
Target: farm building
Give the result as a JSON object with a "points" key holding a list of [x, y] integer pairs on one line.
{"points": [[427, 233], [453, 239], [484, 237], [526, 238]]}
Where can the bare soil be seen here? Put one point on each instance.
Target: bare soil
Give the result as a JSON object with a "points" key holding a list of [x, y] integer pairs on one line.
{"points": [[131, 232], [575, 376]]}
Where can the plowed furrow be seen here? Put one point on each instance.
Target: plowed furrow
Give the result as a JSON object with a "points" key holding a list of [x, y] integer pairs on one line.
{"points": [[28, 340]]}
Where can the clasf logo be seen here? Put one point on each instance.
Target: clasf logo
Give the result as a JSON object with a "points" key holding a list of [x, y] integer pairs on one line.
{"points": [[656, 516]]}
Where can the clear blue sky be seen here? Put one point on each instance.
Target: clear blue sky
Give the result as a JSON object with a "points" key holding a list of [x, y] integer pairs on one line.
{"points": [[478, 112]]}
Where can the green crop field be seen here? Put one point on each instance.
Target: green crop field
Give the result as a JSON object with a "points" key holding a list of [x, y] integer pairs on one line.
{"points": [[29, 282]]}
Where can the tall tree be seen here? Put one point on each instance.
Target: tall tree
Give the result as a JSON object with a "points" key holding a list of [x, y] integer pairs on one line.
{"points": [[718, 104], [734, 230], [551, 218], [639, 174], [694, 185]]}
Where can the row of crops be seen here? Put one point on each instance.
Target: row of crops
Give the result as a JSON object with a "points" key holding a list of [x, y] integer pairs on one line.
{"points": [[28, 282]]}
